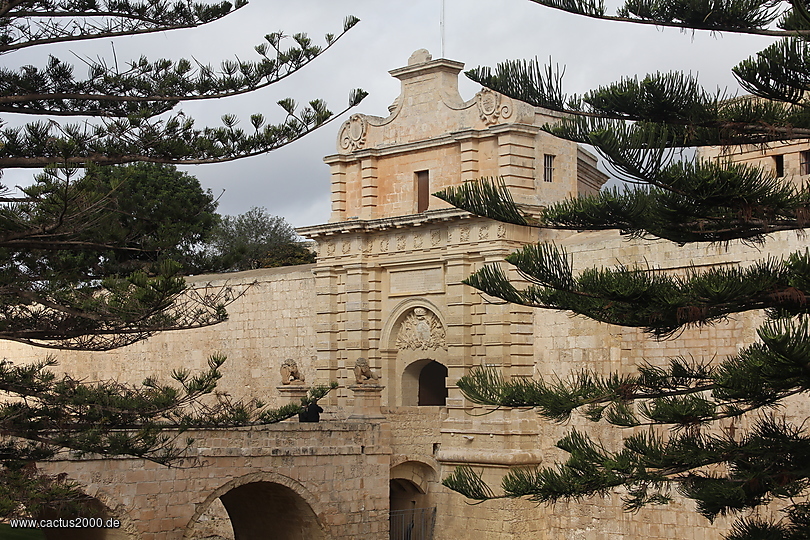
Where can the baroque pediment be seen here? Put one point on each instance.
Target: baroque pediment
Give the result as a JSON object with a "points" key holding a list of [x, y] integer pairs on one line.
{"points": [[429, 106]]}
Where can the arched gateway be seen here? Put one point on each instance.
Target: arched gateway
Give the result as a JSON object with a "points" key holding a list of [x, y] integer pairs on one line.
{"points": [[388, 287], [257, 506]]}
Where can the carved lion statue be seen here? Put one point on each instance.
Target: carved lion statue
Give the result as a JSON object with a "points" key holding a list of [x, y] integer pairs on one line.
{"points": [[290, 373], [363, 373]]}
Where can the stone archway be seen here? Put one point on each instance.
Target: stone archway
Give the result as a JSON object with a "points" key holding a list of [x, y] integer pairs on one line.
{"points": [[254, 506], [415, 335], [424, 383], [413, 513], [258, 508]]}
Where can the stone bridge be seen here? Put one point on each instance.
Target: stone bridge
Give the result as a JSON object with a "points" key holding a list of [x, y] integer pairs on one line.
{"points": [[295, 481]]}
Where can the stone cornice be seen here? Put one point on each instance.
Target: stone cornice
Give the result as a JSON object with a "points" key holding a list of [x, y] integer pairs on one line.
{"points": [[441, 64], [398, 222], [509, 458]]}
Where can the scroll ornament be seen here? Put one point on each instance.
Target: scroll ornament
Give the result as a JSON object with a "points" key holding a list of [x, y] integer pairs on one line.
{"points": [[353, 133], [492, 106]]}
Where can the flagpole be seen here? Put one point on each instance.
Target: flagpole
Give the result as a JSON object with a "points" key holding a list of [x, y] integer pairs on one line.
{"points": [[441, 27]]}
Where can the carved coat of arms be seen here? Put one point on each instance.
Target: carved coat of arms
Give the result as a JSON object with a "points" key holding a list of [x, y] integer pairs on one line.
{"points": [[421, 330]]}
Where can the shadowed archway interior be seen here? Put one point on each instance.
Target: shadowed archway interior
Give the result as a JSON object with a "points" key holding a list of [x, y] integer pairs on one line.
{"points": [[424, 383], [268, 510], [433, 384]]}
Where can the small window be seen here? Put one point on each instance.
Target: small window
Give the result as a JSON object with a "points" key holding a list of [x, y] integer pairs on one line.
{"points": [[804, 162], [422, 191], [779, 165], [548, 167]]}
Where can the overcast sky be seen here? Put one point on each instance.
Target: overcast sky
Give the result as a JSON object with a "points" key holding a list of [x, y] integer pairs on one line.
{"points": [[294, 182]]}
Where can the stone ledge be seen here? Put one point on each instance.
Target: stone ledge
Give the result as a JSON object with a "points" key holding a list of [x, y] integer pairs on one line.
{"points": [[277, 452], [505, 457], [399, 222]]}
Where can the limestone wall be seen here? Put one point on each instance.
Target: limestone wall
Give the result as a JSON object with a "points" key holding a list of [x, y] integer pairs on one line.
{"points": [[273, 320], [791, 159]]}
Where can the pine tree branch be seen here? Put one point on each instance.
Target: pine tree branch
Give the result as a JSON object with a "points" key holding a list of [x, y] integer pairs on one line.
{"points": [[43, 26], [151, 88], [672, 108], [171, 141], [753, 22], [659, 303]]}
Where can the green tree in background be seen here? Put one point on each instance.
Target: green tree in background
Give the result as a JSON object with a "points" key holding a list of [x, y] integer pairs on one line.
{"points": [[251, 240], [636, 125], [155, 209], [84, 263], [164, 214]]}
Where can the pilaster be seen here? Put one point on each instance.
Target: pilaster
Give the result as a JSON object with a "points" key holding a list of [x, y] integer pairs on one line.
{"points": [[328, 308], [469, 159], [338, 192], [368, 179], [516, 150]]}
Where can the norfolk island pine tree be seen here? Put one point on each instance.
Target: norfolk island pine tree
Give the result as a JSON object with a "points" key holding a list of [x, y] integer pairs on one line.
{"points": [[674, 409], [62, 282]]}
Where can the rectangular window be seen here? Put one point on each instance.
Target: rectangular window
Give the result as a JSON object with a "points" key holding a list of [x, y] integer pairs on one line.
{"points": [[804, 162], [779, 165], [422, 191], [548, 167]]}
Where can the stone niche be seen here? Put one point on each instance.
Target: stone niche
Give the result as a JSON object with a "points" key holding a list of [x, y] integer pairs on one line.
{"points": [[420, 357]]}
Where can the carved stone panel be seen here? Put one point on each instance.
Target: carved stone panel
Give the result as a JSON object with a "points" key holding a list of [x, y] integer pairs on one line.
{"points": [[492, 106], [421, 330], [353, 133], [421, 281]]}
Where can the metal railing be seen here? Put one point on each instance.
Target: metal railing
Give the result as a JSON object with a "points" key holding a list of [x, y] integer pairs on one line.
{"points": [[414, 524]]}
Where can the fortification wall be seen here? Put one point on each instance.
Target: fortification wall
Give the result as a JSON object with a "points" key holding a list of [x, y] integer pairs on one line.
{"points": [[273, 320], [566, 344], [276, 319]]}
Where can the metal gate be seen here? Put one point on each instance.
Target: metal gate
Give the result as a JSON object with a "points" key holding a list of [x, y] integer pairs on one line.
{"points": [[414, 524]]}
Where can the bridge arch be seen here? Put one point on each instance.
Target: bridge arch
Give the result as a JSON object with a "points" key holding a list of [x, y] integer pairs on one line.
{"points": [[261, 502], [415, 471], [411, 499]]}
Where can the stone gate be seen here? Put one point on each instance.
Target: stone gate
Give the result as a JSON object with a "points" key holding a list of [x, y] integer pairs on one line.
{"points": [[247, 483], [388, 288]]}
